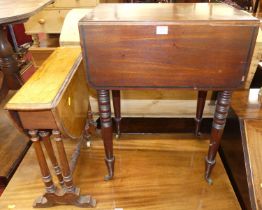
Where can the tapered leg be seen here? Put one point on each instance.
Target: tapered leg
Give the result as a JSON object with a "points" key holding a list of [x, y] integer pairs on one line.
{"points": [[117, 110], [213, 97], [201, 99], [106, 125], [222, 107], [45, 136], [90, 127], [91, 123]]}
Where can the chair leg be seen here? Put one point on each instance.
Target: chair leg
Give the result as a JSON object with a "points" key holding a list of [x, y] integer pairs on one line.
{"points": [[117, 110], [107, 135], [201, 99], [219, 121]]}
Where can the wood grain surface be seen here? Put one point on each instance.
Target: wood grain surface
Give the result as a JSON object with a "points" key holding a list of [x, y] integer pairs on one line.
{"points": [[15, 10], [56, 96], [45, 87], [246, 104], [149, 13], [13, 144], [201, 46], [40, 54], [253, 157], [154, 176], [47, 21], [71, 111]]}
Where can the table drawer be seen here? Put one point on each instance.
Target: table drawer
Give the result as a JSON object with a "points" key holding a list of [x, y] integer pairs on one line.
{"points": [[48, 21], [186, 56], [74, 3]]}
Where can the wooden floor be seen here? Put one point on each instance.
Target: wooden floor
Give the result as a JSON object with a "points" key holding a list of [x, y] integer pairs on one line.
{"points": [[152, 172], [13, 145]]}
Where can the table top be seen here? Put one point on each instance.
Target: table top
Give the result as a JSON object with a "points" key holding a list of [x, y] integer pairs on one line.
{"points": [[44, 89], [16, 10], [166, 13]]}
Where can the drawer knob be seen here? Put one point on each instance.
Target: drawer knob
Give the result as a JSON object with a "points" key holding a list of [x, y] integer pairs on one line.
{"points": [[41, 21]]}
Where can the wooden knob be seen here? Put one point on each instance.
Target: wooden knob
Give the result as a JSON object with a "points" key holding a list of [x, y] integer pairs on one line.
{"points": [[41, 21]]}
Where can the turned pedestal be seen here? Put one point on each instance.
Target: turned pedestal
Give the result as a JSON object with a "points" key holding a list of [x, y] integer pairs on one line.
{"points": [[12, 12]]}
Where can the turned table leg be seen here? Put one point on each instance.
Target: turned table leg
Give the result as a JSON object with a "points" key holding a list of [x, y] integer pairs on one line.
{"points": [[106, 126], [91, 123], [201, 99], [219, 121], [8, 62], [46, 176], [67, 176], [90, 126], [72, 193], [45, 137], [117, 110], [53, 195]]}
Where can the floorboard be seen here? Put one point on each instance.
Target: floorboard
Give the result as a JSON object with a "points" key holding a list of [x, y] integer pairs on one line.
{"points": [[153, 171], [13, 145]]}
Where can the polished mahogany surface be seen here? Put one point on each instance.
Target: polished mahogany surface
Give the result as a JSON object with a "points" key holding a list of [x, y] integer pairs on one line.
{"points": [[195, 46], [167, 12], [154, 172]]}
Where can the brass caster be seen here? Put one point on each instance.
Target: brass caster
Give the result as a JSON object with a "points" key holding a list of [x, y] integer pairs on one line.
{"points": [[108, 177], [110, 168], [88, 144], [209, 181]]}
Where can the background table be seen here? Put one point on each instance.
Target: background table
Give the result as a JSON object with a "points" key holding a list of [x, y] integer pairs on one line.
{"points": [[13, 11]]}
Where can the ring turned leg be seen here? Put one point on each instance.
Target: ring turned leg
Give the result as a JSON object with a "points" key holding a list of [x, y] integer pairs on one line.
{"points": [[106, 126], [117, 110], [45, 137], [201, 99], [219, 121], [72, 193], [90, 127], [46, 176], [53, 195]]}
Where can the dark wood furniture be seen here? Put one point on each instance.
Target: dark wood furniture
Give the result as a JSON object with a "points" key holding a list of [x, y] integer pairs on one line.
{"points": [[141, 46], [9, 66], [201, 100], [240, 148], [54, 100]]}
